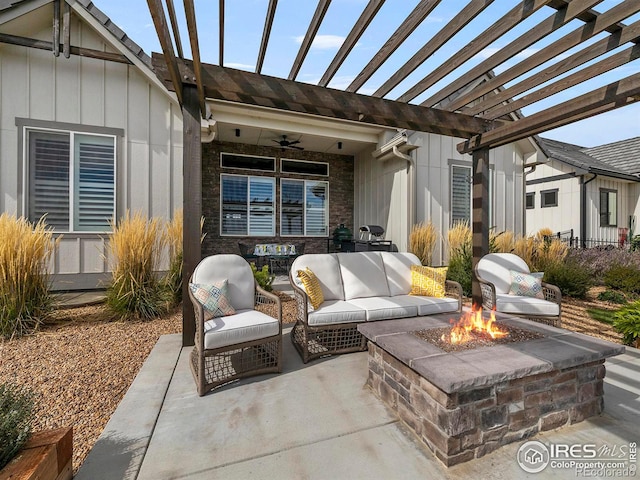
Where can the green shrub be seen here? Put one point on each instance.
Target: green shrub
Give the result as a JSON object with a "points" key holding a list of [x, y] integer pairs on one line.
{"points": [[263, 277], [635, 244], [623, 277], [460, 267], [25, 250], [135, 246], [612, 296], [16, 419], [571, 278], [627, 322]]}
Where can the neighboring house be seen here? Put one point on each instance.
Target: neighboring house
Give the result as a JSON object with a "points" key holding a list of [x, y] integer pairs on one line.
{"points": [[592, 192], [82, 139]]}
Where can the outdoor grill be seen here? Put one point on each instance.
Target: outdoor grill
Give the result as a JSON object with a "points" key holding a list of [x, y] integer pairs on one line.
{"points": [[371, 239]]}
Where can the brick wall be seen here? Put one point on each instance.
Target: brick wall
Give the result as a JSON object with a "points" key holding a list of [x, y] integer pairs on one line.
{"points": [[340, 194]]}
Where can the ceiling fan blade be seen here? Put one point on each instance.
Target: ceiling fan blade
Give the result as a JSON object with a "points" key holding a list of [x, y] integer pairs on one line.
{"points": [[294, 142], [297, 148]]}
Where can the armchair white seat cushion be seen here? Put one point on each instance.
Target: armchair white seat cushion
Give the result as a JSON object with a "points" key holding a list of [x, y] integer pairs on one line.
{"points": [[384, 308], [337, 311], [244, 326], [522, 305]]}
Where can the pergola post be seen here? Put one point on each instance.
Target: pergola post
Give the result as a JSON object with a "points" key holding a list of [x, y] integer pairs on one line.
{"points": [[480, 215], [192, 203]]}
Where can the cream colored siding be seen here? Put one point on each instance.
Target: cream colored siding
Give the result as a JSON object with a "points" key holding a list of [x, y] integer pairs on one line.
{"points": [[381, 184], [88, 92]]}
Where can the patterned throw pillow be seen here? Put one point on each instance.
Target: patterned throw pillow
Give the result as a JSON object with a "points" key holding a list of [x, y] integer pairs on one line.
{"points": [[526, 284], [428, 281], [214, 298], [312, 287]]}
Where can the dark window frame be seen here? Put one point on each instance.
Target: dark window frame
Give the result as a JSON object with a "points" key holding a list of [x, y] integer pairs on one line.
{"points": [[605, 212], [532, 196], [543, 193]]}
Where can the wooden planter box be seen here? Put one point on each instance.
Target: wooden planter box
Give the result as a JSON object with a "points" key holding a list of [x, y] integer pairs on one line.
{"points": [[47, 456]]}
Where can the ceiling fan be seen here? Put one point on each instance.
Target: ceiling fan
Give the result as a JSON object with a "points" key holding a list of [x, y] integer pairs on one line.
{"points": [[284, 143]]}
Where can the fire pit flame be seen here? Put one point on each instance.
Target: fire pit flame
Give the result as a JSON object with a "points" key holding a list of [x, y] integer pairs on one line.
{"points": [[473, 323]]}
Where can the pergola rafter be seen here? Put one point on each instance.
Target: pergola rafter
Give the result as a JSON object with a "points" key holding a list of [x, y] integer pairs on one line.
{"points": [[475, 105]]}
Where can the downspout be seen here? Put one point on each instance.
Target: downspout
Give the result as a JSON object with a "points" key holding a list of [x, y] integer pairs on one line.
{"points": [[583, 208], [411, 187]]}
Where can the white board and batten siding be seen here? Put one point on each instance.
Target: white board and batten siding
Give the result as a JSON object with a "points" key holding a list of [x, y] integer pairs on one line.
{"points": [[38, 88], [382, 189], [566, 215]]}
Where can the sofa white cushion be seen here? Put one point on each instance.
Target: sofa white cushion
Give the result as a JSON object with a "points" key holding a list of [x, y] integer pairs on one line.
{"points": [[385, 308], [327, 270], [363, 275], [495, 267], [525, 305], [244, 326], [431, 305], [397, 267], [336, 311], [233, 268]]}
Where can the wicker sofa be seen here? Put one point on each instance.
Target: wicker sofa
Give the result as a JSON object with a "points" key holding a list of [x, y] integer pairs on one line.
{"points": [[358, 287]]}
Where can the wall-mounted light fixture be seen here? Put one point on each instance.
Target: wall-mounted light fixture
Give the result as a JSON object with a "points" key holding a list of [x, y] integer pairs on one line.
{"points": [[237, 132], [339, 145]]}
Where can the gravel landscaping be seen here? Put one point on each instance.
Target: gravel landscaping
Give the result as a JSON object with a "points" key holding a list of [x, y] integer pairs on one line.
{"points": [[81, 363]]}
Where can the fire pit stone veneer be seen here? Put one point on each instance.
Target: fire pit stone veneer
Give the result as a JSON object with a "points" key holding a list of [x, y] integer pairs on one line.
{"points": [[466, 404]]}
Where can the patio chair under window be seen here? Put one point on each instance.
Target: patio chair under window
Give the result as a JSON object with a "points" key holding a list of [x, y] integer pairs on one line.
{"points": [[233, 340], [508, 285]]}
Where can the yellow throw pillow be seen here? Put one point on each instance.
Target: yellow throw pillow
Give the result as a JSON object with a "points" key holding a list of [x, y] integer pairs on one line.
{"points": [[428, 281], [312, 287]]}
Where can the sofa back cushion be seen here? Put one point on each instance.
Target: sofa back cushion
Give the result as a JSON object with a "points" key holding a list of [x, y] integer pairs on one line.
{"points": [[363, 275], [495, 268], [326, 269], [234, 269], [397, 266]]}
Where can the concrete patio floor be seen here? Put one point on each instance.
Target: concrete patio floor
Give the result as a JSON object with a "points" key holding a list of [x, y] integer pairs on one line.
{"points": [[314, 421]]}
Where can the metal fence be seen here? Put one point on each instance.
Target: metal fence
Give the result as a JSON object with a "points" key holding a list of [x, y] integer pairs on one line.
{"points": [[623, 240]]}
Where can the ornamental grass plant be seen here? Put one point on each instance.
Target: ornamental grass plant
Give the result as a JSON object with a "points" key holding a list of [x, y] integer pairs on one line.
{"points": [[173, 280], [422, 241], [16, 419], [459, 237], [135, 249], [25, 251]]}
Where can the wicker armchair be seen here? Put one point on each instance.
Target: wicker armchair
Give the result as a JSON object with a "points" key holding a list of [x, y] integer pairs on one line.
{"points": [[241, 345], [493, 274]]}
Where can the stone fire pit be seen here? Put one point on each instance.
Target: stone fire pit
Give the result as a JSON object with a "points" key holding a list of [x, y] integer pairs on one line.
{"points": [[468, 403]]}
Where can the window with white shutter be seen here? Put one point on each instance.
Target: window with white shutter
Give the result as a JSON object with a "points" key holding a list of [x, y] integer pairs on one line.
{"points": [[304, 208], [462, 197], [71, 180], [248, 205]]}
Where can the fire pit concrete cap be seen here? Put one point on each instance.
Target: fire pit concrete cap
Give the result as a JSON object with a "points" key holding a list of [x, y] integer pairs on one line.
{"points": [[471, 369]]}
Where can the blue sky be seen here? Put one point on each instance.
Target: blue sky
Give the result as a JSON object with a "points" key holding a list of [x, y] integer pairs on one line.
{"points": [[244, 22]]}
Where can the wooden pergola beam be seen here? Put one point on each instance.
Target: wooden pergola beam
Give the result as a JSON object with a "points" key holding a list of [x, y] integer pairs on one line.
{"points": [[627, 34], [174, 27], [160, 23], [66, 30], [422, 11], [316, 20], [252, 89], [577, 36], [456, 24], [221, 32], [266, 33], [356, 32], [609, 97], [190, 14], [516, 15], [603, 66], [55, 30], [552, 23], [79, 51]]}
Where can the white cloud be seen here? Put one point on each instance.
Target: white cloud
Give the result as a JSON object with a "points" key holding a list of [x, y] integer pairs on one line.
{"points": [[323, 42], [240, 66]]}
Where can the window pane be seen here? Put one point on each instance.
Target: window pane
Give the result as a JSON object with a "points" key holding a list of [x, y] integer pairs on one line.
{"points": [[316, 208], [292, 222], [460, 194], [307, 168], [261, 211], [49, 178], [234, 205], [530, 200], [230, 160], [94, 176]]}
